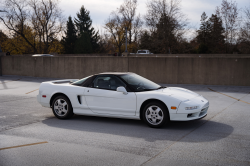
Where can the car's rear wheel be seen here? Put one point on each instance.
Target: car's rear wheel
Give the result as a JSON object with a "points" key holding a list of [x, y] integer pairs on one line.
{"points": [[155, 114], [62, 108]]}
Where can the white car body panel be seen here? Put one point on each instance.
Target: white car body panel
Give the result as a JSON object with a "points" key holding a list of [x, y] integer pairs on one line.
{"points": [[108, 103]]}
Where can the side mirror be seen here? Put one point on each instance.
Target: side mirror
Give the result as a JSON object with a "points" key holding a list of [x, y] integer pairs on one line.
{"points": [[122, 89]]}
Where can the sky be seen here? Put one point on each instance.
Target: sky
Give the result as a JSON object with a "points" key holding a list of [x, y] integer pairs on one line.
{"points": [[101, 9]]}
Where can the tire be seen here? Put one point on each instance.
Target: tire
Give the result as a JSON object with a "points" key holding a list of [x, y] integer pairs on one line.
{"points": [[155, 114], [62, 108]]}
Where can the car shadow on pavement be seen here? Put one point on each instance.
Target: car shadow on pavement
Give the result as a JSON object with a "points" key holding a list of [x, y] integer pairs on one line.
{"points": [[191, 131]]}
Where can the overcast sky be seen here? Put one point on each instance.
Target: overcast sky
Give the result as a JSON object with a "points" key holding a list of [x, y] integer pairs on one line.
{"points": [[101, 9]]}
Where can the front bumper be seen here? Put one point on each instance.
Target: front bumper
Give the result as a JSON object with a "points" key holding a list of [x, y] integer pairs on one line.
{"points": [[187, 115]]}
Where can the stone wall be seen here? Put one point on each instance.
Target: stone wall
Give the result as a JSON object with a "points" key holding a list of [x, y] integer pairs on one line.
{"points": [[212, 70]]}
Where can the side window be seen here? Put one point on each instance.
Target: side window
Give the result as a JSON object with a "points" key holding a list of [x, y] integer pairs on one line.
{"points": [[115, 82], [101, 82], [107, 82]]}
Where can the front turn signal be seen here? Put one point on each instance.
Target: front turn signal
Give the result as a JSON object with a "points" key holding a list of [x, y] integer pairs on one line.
{"points": [[173, 108]]}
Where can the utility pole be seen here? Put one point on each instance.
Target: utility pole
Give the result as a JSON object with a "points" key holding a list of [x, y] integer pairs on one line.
{"points": [[126, 39]]}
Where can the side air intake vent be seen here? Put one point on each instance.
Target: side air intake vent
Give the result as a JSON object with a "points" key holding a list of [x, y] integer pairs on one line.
{"points": [[79, 99]]}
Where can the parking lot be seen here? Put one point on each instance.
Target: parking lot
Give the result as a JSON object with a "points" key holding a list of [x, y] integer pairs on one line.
{"points": [[31, 135]]}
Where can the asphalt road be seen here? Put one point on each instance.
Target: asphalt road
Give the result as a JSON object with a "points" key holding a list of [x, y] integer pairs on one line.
{"points": [[31, 135]]}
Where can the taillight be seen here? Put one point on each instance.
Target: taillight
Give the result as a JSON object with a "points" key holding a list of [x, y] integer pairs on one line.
{"points": [[44, 96]]}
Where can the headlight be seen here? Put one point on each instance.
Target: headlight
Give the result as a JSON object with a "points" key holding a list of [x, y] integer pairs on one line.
{"points": [[191, 108]]}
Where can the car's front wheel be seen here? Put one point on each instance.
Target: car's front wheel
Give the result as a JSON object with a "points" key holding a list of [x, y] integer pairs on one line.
{"points": [[155, 114], [62, 108]]}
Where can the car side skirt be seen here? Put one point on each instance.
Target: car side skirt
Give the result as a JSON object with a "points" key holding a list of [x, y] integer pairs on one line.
{"points": [[105, 115]]}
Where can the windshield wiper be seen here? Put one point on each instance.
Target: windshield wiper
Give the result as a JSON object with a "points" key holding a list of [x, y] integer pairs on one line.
{"points": [[161, 87], [142, 90]]}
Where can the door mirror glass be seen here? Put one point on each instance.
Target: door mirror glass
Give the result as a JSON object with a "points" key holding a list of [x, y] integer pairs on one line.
{"points": [[122, 89]]}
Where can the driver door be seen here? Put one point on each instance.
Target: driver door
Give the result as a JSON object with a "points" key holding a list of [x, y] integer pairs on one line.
{"points": [[102, 97]]}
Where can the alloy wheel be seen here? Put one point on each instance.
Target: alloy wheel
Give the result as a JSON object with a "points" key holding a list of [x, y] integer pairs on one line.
{"points": [[61, 107], [154, 115]]}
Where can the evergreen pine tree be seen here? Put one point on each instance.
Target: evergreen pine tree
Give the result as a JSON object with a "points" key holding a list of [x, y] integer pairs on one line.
{"points": [[210, 35], [145, 41], [216, 40], [69, 40], [165, 39], [203, 49], [84, 25], [203, 34], [83, 44]]}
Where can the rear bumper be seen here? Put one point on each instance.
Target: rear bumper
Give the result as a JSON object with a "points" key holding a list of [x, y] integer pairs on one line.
{"points": [[38, 97]]}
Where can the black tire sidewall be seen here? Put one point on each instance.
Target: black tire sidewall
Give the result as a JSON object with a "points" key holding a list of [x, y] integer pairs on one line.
{"points": [[165, 112], [69, 114]]}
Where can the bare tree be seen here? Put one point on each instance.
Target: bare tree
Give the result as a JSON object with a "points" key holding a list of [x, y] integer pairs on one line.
{"points": [[244, 35], [128, 13], [171, 8], [106, 44], [137, 28], [16, 18], [167, 23], [44, 17], [228, 12], [125, 16], [115, 25], [47, 21]]}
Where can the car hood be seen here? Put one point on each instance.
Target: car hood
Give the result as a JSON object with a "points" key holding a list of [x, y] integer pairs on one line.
{"points": [[180, 93]]}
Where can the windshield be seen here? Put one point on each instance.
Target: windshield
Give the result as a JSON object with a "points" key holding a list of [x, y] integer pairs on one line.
{"points": [[78, 82], [139, 83], [142, 52]]}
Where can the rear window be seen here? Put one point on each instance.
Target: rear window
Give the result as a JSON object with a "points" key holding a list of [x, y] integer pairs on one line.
{"points": [[142, 52], [81, 81]]}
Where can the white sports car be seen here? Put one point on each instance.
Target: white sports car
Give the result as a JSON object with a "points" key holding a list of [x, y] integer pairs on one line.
{"points": [[122, 95]]}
